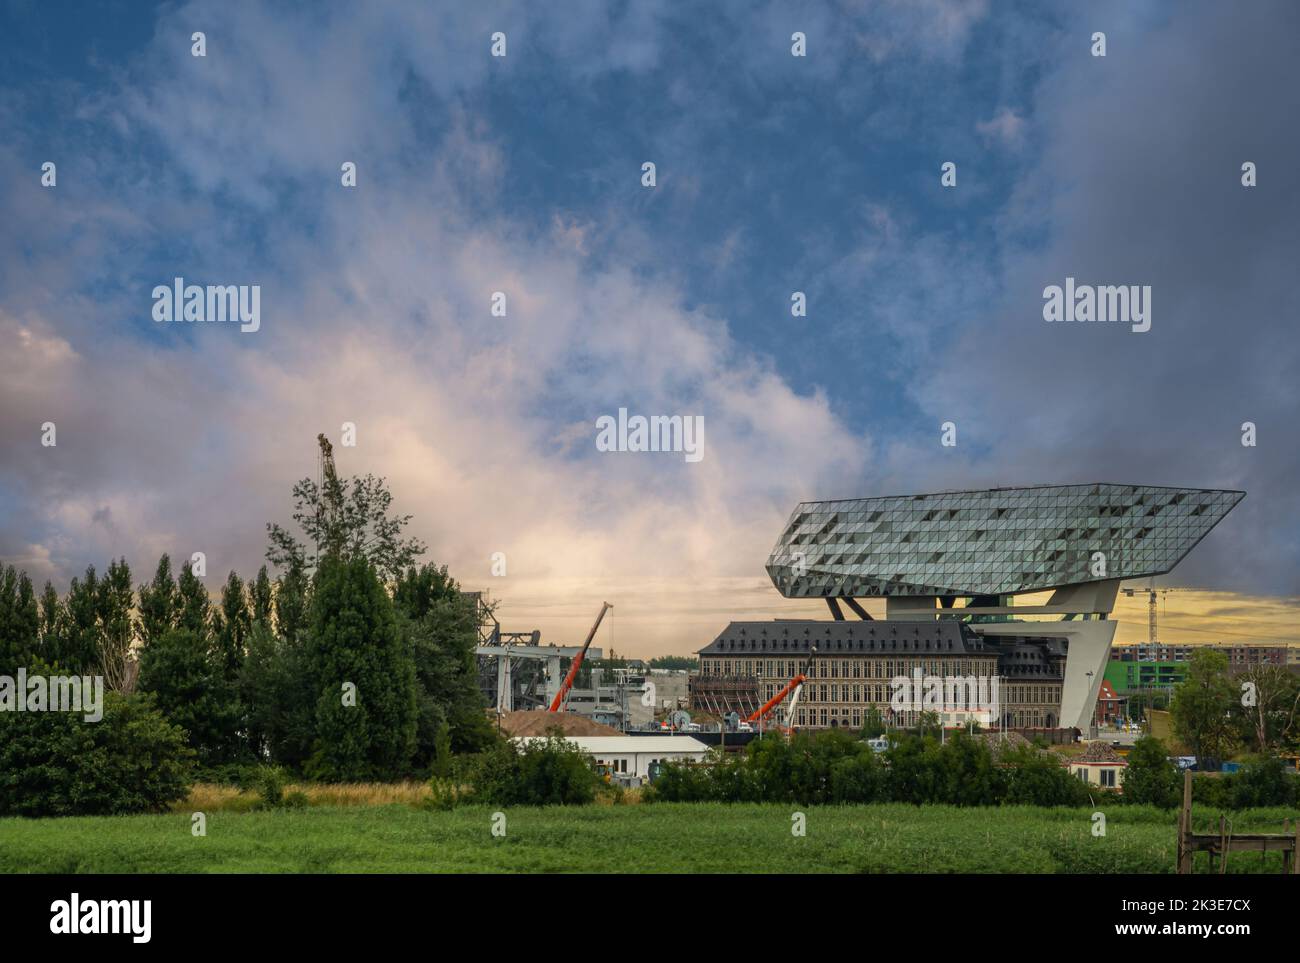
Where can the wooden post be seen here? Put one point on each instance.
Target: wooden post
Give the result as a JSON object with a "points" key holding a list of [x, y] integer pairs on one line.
{"points": [[1185, 852]]}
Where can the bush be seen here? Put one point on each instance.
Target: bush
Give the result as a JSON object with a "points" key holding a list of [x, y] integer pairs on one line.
{"points": [[681, 782], [546, 772], [57, 764], [1150, 777], [242, 775], [1260, 783], [1035, 779], [810, 769], [269, 783], [447, 794]]}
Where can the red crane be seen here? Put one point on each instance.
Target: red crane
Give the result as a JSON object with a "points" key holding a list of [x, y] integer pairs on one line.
{"points": [[567, 684], [795, 686], [773, 702]]}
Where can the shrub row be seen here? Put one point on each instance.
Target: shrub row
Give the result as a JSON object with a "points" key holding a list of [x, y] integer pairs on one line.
{"points": [[835, 767]]}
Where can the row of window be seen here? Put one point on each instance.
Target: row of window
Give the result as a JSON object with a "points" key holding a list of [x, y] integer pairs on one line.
{"points": [[882, 693], [863, 668], [827, 717], [1030, 694]]}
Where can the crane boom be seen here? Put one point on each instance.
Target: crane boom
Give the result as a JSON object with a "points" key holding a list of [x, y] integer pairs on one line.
{"points": [[577, 661], [794, 686], [773, 702]]}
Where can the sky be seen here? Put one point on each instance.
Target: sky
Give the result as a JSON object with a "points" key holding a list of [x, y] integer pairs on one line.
{"points": [[522, 174]]}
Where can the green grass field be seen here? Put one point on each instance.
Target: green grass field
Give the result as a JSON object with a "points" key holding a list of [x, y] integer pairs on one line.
{"points": [[706, 837]]}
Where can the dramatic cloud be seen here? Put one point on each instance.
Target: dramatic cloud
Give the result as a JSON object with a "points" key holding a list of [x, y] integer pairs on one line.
{"points": [[521, 175]]}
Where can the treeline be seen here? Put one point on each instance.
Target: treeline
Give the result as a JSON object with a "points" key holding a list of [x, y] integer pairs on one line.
{"points": [[832, 767], [334, 676], [354, 664]]}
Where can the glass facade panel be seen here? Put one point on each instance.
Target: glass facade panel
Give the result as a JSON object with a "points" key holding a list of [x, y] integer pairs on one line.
{"points": [[998, 542]]}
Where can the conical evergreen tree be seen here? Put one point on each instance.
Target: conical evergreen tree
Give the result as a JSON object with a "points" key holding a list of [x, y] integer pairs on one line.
{"points": [[158, 603], [19, 620], [193, 606], [362, 674], [53, 648], [261, 596], [232, 624], [190, 689], [291, 602], [82, 641]]}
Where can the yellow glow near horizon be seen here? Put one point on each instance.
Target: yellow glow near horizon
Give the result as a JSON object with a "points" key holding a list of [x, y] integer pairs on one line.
{"points": [[670, 616]]}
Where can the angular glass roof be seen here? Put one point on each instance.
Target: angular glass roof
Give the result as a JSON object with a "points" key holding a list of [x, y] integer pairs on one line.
{"points": [[1001, 541]]}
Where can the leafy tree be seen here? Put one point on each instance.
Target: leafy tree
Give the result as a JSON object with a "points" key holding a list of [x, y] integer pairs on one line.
{"points": [[689, 663], [278, 701], [353, 640], [189, 687], [1150, 777], [114, 602], [929, 723], [773, 762], [914, 774], [1204, 706], [873, 724], [441, 625], [967, 775], [345, 518], [1140, 702], [158, 603], [1272, 719]]}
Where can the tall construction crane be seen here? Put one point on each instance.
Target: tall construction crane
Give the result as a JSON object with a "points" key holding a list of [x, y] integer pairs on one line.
{"points": [[1152, 591], [563, 694], [329, 504]]}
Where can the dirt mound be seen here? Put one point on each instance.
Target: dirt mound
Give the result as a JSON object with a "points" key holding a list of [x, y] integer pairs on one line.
{"points": [[539, 722], [999, 743]]}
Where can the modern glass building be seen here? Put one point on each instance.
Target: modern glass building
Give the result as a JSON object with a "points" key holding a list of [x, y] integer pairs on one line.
{"points": [[1003, 541], [962, 557]]}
